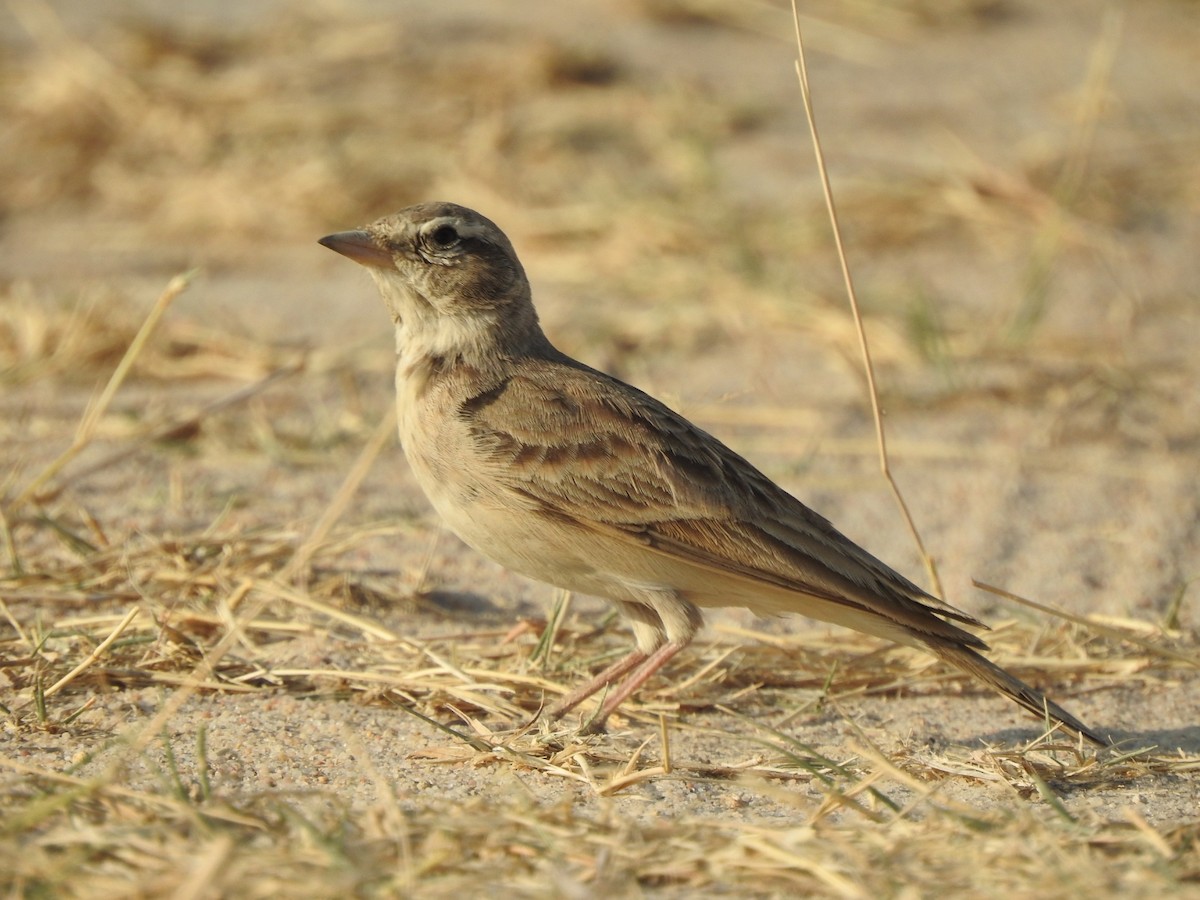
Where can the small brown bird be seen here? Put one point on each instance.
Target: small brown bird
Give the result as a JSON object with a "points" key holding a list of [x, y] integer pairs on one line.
{"points": [[569, 476]]}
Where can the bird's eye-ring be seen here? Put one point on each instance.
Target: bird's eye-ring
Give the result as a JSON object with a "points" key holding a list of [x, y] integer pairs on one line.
{"points": [[444, 236]]}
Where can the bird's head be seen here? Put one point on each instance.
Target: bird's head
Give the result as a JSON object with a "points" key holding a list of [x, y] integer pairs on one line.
{"points": [[449, 277]]}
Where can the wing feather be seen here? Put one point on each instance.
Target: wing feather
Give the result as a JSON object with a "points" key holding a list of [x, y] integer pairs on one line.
{"points": [[611, 458]]}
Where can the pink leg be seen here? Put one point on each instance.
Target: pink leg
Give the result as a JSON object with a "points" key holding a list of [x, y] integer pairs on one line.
{"points": [[636, 679], [603, 680]]}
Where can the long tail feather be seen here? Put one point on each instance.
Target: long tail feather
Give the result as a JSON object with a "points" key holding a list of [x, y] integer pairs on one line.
{"points": [[1012, 687]]}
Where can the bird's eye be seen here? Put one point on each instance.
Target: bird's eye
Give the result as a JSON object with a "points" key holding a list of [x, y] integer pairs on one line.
{"points": [[444, 236]]}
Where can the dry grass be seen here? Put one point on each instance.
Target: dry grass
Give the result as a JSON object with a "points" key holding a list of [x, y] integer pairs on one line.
{"points": [[272, 846], [205, 613], [48, 338], [213, 612], [594, 166], [92, 612]]}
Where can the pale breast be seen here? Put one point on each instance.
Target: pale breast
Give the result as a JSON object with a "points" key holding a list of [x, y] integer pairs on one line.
{"points": [[442, 454], [477, 503]]}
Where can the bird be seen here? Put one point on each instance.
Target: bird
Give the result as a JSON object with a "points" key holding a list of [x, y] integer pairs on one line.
{"points": [[567, 475]]}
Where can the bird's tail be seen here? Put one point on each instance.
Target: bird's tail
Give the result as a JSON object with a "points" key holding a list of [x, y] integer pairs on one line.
{"points": [[1010, 686]]}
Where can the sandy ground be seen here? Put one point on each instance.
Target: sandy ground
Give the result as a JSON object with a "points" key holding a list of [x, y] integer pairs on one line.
{"points": [[1057, 459]]}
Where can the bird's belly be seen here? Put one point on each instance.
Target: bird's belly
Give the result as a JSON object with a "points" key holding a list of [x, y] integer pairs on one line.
{"points": [[522, 541], [501, 528], [482, 508]]}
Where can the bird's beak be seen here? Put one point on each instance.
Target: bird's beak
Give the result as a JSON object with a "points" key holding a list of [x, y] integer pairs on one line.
{"points": [[360, 247]]}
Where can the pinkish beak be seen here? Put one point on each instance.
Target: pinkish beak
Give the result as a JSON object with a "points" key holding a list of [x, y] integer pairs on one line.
{"points": [[360, 247]]}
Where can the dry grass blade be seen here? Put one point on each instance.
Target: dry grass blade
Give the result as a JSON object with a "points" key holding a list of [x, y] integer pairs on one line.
{"points": [[366, 626], [88, 787], [94, 655], [95, 410], [183, 425], [1092, 625], [863, 345], [1055, 227], [337, 506]]}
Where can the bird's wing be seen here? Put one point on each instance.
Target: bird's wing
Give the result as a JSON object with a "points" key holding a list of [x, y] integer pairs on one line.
{"points": [[607, 457]]}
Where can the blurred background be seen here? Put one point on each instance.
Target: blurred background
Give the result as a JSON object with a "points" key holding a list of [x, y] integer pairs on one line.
{"points": [[1019, 188], [1018, 182]]}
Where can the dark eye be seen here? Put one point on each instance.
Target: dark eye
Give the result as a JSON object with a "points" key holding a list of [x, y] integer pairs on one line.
{"points": [[444, 236]]}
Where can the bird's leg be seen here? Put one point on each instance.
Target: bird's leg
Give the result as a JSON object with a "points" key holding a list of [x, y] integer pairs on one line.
{"points": [[636, 679], [649, 633], [663, 625], [603, 680]]}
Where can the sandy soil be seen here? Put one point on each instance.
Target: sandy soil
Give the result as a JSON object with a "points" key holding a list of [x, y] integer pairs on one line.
{"points": [[1022, 222]]}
